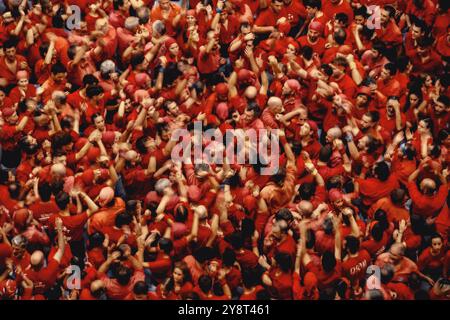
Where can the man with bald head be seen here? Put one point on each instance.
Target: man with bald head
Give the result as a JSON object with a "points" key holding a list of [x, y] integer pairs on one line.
{"points": [[273, 110], [403, 266], [96, 291], [429, 198], [44, 278]]}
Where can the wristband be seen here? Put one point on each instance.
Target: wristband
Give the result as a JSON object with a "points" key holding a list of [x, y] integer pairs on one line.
{"points": [[218, 10], [348, 138], [314, 172]]}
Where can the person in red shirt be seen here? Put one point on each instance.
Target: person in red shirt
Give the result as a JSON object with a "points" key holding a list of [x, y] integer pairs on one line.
{"points": [[74, 224], [429, 199], [431, 260], [387, 84], [267, 19], [332, 7], [356, 262], [44, 278], [126, 275], [313, 38], [389, 33], [10, 64]]}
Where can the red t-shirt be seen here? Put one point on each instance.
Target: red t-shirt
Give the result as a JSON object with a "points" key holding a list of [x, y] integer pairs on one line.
{"points": [[354, 268]]}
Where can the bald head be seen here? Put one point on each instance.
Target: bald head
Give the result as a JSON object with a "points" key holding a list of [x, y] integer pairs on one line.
{"points": [[37, 258], [275, 105], [131, 155], [398, 249], [97, 285], [58, 169], [305, 208], [251, 92], [202, 212], [131, 23], [334, 133], [427, 186]]}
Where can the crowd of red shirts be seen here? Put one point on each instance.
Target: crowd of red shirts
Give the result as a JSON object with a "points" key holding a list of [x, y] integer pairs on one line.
{"points": [[94, 200]]}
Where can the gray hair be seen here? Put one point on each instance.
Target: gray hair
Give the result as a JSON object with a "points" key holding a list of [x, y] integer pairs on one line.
{"points": [[131, 23], [159, 27], [107, 66]]}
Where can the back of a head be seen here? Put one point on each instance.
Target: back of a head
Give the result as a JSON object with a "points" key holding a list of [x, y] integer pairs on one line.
{"points": [[123, 219], [382, 171], [352, 244], [62, 200], [205, 283]]}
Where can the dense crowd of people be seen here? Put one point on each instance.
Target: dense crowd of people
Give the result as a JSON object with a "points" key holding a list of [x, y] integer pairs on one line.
{"points": [[96, 202]]}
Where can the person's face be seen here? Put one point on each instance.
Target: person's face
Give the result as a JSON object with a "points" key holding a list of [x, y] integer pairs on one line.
{"points": [[436, 244], [384, 17], [422, 127], [302, 117], [366, 122], [245, 28], [164, 4], [277, 6], [99, 123], [362, 143], [23, 82], [61, 159], [413, 100], [165, 135], [439, 107], [178, 275], [359, 20], [173, 109], [150, 144], [249, 115], [223, 16], [338, 24], [416, 32], [337, 70], [390, 109], [313, 35], [83, 27], [18, 251], [13, 118], [31, 140], [361, 100], [338, 203], [311, 11], [428, 81], [290, 49], [384, 75], [305, 130], [2, 95], [213, 268], [10, 53], [174, 49], [190, 20], [277, 109], [59, 77], [285, 90]]}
